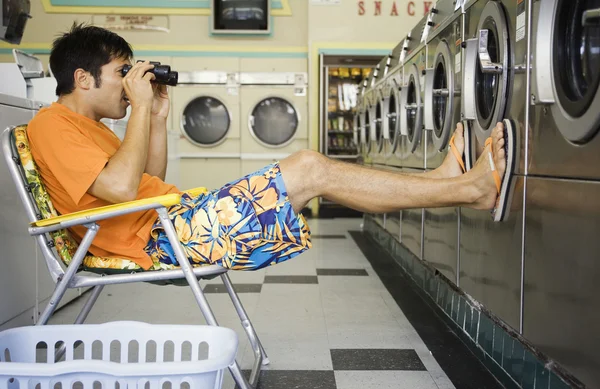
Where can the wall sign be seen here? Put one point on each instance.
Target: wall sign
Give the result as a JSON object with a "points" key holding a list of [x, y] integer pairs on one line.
{"points": [[393, 7], [132, 22]]}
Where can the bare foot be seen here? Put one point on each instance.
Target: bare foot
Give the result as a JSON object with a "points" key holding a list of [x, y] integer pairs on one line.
{"points": [[485, 186], [450, 167]]}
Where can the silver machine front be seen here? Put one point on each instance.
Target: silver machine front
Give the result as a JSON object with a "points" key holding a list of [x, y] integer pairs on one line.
{"points": [[442, 109], [561, 263], [495, 88]]}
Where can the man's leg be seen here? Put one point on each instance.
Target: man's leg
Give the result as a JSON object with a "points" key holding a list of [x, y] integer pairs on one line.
{"points": [[308, 174]]}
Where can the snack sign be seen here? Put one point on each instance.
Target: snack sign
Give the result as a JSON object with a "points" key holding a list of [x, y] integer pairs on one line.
{"points": [[392, 8]]}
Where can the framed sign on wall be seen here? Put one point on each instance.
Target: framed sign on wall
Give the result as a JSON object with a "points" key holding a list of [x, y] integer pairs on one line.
{"points": [[241, 17]]}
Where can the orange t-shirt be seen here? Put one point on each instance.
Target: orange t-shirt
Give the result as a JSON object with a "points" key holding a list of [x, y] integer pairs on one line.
{"points": [[70, 151]]}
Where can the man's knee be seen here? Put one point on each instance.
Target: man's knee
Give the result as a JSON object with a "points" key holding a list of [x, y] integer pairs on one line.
{"points": [[309, 161]]}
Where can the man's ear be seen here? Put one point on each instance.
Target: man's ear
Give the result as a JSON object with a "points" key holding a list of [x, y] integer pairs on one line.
{"points": [[83, 79]]}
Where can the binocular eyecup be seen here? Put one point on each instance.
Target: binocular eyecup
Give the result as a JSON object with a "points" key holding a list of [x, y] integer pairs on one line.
{"points": [[163, 73]]}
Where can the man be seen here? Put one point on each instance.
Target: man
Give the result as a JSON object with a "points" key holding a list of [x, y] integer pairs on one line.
{"points": [[249, 223]]}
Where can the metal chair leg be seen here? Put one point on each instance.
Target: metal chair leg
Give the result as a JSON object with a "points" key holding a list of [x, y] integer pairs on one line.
{"points": [[81, 317], [239, 378], [89, 304], [63, 284], [246, 323], [196, 290]]}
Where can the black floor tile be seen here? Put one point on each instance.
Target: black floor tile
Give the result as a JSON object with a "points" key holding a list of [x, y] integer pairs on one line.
{"points": [[291, 280], [296, 379], [239, 288], [328, 236], [375, 359], [342, 272]]}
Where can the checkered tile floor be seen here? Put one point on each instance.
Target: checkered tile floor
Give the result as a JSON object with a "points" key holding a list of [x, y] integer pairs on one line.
{"points": [[325, 319]]}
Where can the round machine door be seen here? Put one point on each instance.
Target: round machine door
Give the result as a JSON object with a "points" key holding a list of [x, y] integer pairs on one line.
{"points": [[568, 54], [274, 122], [486, 76], [205, 121], [361, 130], [356, 131], [367, 127], [380, 123], [393, 124], [412, 110], [439, 96]]}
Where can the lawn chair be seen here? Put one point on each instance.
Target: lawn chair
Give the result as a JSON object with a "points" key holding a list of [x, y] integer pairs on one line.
{"points": [[71, 266]]}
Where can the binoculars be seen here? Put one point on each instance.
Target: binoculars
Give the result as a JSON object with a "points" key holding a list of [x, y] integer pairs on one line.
{"points": [[163, 73]]}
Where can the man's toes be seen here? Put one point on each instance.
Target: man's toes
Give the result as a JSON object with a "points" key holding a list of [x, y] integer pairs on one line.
{"points": [[500, 144]]}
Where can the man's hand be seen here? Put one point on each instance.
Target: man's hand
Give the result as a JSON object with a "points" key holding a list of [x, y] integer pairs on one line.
{"points": [[138, 87], [160, 105]]}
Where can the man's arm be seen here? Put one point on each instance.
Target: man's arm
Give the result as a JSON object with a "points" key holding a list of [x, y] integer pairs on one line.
{"points": [[119, 180], [156, 163]]}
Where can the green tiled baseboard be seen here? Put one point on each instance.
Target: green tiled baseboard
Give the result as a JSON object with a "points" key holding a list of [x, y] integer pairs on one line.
{"points": [[509, 359]]}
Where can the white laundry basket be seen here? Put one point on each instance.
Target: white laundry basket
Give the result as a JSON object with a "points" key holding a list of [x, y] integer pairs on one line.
{"points": [[132, 354]]}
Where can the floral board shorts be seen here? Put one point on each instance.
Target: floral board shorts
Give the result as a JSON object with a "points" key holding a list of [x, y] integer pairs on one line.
{"points": [[247, 224]]}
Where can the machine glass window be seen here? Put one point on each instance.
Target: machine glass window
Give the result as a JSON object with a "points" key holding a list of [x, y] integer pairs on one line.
{"points": [[205, 120], [274, 121], [378, 122], [392, 117], [439, 101], [487, 83], [367, 126], [361, 129], [577, 55], [411, 108]]}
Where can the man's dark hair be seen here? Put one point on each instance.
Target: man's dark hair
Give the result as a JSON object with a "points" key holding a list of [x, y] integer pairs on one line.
{"points": [[88, 48]]}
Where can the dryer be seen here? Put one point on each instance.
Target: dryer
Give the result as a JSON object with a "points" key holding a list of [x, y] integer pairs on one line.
{"points": [[563, 187], [274, 111], [494, 88], [443, 82], [413, 88], [205, 112]]}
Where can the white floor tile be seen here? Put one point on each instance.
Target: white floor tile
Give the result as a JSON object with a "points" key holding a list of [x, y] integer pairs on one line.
{"points": [[384, 380]]}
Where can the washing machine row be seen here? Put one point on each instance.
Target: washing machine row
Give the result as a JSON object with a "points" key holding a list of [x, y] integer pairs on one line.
{"points": [[464, 63], [233, 123], [533, 65]]}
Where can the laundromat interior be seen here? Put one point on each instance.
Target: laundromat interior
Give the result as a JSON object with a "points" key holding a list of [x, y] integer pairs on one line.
{"points": [[417, 298]]}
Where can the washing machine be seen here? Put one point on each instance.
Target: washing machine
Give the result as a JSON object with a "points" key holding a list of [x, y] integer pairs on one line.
{"points": [[380, 124], [393, 137], [563, 187], [205, 112], [413, 89], [411, 121], [443, 81], [360, 136], [495, 88], [274, 114], [363, 117], [392, 140], [369, 128]]}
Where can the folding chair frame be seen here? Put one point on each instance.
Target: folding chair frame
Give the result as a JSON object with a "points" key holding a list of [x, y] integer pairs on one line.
{"points": [[70, 279]]}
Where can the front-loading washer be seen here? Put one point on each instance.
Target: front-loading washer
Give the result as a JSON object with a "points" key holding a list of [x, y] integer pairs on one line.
{"points": [[443, 81], [495, 88]]}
